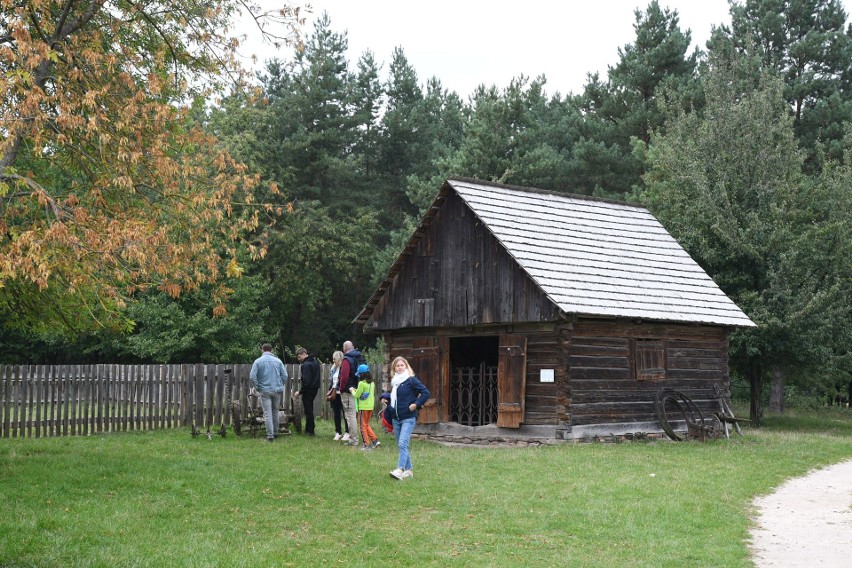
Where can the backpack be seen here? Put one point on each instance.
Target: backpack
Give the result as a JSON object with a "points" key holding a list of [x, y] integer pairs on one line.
{"points": [[354, 361]]}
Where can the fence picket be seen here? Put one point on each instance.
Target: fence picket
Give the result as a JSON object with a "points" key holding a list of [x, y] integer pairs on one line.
{"points": [[110, 393], [154, 403], [58, 393], [169, 404], [209, 388], [177, 398], [90, 397], [128, 396], [26, 417], [220, 386], [142, 398], [66, 398], [5, 380], [149, 406], [72, 401], [14, 397], [199, 397], [237, 396], [105, 397], [122, 395], [47, 411], [35, 414], [81, 413], [121, 398], [159, 414], [135, 395]]}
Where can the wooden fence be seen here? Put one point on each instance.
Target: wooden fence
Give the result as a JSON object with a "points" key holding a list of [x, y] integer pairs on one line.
{"points": [[69, 400]]}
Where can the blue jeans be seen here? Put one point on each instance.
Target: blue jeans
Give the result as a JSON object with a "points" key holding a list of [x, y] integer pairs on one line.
{"points": [[270, 401], [402, 430]]}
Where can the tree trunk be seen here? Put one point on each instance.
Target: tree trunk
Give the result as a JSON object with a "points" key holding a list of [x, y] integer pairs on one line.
{"points": [[755, 381], [776, 392]]}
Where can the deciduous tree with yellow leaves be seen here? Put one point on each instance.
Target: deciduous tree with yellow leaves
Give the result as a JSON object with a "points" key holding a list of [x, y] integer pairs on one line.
{"points": [[106, 188]]}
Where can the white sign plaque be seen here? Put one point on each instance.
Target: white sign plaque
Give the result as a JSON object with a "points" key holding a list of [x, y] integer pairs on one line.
{"points": [[546, 376]]}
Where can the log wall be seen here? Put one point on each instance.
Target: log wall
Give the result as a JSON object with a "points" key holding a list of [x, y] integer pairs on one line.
{"points": [[602, 387]]}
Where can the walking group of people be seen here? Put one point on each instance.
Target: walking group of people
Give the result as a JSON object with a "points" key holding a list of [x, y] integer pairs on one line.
{"points": [[351, 395]]}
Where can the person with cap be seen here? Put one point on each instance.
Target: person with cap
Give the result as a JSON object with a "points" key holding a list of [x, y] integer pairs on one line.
{"points": [[268, 376], [365, 398], [311, 381]]}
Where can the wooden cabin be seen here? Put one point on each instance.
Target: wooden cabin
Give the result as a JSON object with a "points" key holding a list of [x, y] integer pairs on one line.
{"points": [[547, 315]]}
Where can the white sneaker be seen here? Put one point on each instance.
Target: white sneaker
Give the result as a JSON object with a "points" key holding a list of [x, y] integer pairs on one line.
{"points": [[407, 474], [397, 473], [337, 437], [345, 437]]}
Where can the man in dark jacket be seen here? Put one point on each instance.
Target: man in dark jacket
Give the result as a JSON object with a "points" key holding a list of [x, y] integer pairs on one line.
{"points": [[311, 382]]}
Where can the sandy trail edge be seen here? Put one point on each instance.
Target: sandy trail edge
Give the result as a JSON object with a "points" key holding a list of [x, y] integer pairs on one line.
{"points": [[806, 522]]}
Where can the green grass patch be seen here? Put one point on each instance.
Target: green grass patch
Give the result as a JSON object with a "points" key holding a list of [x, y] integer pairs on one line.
{"points": [[167, 499]]}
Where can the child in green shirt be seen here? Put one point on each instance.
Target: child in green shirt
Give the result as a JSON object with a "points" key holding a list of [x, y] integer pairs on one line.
{"points": [[366, 403]]}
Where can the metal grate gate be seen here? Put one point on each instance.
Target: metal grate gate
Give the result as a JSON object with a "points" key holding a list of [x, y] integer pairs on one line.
{"points": [[473, 395]]}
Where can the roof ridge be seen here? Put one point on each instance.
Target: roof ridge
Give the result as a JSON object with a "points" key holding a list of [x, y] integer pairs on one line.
{"points": [[556, 193]]}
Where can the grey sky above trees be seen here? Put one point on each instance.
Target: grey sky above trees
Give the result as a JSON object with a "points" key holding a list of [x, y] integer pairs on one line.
{"points": [[465, 45]]}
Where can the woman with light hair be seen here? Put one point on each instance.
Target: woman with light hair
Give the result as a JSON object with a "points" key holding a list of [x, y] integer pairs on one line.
{"points": [[408, 395], [333, 397]]}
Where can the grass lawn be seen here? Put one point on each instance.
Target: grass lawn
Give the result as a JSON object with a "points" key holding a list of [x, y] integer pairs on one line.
{"points": [[167, 499]]}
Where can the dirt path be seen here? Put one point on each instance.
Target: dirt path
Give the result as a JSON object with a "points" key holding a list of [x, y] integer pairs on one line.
{"points": [[807, 522]]}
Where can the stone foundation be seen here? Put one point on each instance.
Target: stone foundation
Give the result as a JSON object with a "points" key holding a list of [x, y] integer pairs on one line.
{"points": [[453, 434]]}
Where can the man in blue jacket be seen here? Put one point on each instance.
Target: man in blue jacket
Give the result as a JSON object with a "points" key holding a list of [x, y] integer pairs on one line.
{"points": [[268, 376]]}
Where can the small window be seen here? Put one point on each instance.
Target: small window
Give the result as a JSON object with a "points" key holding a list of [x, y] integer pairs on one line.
{"points": [[649, 359]]}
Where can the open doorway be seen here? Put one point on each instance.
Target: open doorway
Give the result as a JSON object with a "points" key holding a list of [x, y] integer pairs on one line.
{"points": [[473, 380]]}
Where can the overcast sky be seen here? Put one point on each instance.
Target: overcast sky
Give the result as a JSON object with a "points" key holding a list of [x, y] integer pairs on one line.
{"points": [[466, 43]]}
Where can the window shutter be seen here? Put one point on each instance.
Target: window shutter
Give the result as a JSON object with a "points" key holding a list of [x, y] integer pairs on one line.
{"points": [[425, 361], [649, 357], [511, 380]]}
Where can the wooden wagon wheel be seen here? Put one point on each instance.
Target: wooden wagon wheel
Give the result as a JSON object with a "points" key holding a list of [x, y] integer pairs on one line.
{"points": [[684, 406]]}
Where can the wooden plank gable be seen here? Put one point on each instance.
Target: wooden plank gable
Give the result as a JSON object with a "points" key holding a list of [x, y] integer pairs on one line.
{"points": [[458, 274]]}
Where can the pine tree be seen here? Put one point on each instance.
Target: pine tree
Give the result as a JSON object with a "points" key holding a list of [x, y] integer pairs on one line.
{"points": [[625, 106], [806, 43]]}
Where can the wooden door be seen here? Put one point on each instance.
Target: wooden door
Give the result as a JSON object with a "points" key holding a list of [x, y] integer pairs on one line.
{"points": [[425, 360], [511, 380]]}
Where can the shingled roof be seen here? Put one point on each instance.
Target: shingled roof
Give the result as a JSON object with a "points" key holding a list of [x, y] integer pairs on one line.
{"points": [[591, 257]]}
